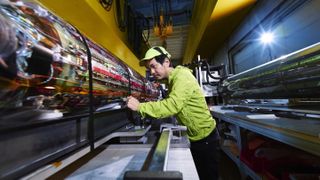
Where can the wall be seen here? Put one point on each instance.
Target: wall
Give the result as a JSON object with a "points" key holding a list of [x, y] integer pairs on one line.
{"points": [[294, 23]]}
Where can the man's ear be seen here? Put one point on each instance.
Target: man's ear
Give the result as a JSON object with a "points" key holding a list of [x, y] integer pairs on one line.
{"points": [[167, 62]]}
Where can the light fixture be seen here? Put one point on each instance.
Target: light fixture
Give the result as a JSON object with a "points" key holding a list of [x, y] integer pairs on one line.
{"points": [[50, 87], [267, 37], [163, 26]]}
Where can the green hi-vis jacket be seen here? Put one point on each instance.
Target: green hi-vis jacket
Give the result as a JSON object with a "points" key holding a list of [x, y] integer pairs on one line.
{"points": [[186, 101]]}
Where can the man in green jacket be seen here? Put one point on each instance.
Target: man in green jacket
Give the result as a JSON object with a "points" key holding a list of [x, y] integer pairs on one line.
{"points": [[186, 101]]}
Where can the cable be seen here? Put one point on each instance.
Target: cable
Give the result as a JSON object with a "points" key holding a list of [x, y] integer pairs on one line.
{"points": [[208, 71], [146, 23], [122, 15], [106, 4]]}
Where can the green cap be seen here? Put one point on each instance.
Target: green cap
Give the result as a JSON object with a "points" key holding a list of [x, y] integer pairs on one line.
{"points": [[153, 52]]}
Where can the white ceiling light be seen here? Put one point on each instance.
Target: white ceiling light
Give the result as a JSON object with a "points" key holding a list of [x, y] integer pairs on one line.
{"points": [[267, 37]]}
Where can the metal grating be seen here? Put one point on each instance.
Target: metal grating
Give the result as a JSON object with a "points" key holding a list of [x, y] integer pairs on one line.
{"points": [[176, 43]]}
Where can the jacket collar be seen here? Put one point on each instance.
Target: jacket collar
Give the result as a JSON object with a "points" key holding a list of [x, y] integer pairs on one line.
{"points": [[173, 73]]}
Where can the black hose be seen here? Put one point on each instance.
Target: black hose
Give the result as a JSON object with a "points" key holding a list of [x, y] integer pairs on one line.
{"points": [[208, 71], [106, 4], [121, 15], [91, 98]]}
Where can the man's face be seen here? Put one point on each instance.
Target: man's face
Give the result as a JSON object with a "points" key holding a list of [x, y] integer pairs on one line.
{"points": [[159, 71]]}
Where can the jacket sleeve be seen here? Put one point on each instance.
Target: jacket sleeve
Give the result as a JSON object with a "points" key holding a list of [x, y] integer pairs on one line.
{"points": [[182, 88]]}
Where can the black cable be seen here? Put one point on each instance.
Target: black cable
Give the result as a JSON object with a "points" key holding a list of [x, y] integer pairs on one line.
{"points": [[157, 9], [121, 15], [147, 25], [106, 4], [91, 105], [128, 111], [165, 11], [208, 71], [154, 12], [125, 13]]}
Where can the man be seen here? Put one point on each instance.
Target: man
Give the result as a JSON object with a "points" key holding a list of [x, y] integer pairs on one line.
{"points": [[186, 101]]}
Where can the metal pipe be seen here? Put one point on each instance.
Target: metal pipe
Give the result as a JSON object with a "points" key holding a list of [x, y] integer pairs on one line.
{"points": [[160, 156], [296, 75]]}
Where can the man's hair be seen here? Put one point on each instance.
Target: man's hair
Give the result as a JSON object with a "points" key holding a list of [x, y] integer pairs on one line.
{"points": [[160, 59]]}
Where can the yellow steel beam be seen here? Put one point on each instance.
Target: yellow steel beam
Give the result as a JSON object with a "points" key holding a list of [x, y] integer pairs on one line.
{"points": [[207, 27], [201, 14]]}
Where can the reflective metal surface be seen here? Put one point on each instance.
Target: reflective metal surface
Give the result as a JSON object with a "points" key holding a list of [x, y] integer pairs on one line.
{"points": [[44, 66], [47, 106], [160, 156], [292, 76]]}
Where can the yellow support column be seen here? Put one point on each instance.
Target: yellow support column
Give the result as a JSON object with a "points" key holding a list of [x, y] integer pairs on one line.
{"points": [[201, 14]]}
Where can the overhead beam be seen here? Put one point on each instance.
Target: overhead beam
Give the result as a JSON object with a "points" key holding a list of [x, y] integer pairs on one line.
{"points": [[201, 14], [225, 18]]}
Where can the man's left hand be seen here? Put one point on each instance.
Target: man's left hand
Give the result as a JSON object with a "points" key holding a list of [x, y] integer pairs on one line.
{"points": [[133, 103]]}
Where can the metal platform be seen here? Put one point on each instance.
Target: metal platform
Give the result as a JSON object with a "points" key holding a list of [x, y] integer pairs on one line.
{"points": [[302, 134], [115, 160]]}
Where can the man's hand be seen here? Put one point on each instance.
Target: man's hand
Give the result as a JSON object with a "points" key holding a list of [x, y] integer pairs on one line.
{"points": [[132, 103]]}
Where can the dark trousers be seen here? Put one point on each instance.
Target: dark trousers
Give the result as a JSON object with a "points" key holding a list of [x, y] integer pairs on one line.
{"points": [[205, 154]]}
